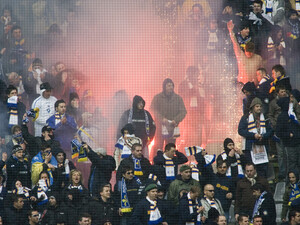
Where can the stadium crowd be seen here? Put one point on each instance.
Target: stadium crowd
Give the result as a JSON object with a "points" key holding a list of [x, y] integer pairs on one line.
{"points": [[50, 144]]}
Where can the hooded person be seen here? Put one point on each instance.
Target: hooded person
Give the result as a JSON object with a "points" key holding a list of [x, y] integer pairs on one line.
{"points": [[288, 130], [45, 104], [141, 119], [256, 131], [62, 172], [249, 91], [234, 158], [169, 110]]}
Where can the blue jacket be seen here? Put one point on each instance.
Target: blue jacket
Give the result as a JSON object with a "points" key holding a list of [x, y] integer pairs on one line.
{"points": [[64, 133]]}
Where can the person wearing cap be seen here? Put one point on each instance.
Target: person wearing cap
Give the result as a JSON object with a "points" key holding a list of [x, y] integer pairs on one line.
{"points": [[256, 132], [183, 181], [169, 110], [35, 78], [18, 167], [150, 210], [45, 104], [167, 163], [101, 169], [248, 61], [136, 160], [234, 159], [64, 126], [142, 121]]}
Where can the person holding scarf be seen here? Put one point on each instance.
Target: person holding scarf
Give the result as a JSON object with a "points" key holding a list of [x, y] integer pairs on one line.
{"points": [[166, 163], [149, 210], [291, 197], [256, 132], [190, 208], [264, 205], [136, 160], [141, 119], [234, 158], [127, 192], [64, 126]]}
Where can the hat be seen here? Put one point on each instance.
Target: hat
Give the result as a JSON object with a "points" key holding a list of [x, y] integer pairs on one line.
{"points": [[185, 167], [37, 62], [16, 148], [150, 187], [45, 86], [102, 151], [249, 86], [166, 81], [227, 141], [255, 101], [46, 128]]}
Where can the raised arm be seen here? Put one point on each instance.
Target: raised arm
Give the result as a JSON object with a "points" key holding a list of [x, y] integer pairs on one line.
{"points": [[236, 47]]}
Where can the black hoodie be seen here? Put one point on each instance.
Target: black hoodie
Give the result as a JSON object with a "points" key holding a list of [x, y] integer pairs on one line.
{"points": [[138, 121]]}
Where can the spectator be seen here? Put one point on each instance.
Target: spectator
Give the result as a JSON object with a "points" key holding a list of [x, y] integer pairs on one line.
{"points": [[73, 108], [257, 220], [45, 104], [243, 219], [101, 169], [222, 220], [184, 181], [256, 131], [18, 168], [3, 194], [136, 160], [190, 208], [85, 219], [263, 88], [16, 213], [248, 61], [243, 36], [294, 218], [209, 201], [264, 205], [64, 126], [149, 204], [275, 11], [167, 164], [280, 78], [244, 201], [144, 126], [33, 217], [104, 210], [249, 91], [43, 161], [169, 111]]}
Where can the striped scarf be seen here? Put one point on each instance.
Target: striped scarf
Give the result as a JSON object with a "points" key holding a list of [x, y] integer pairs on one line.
{"points": [[137, 167], [273, 84], [12, 105], [125, 205], [169, 168], [155, 217], [195, 172], [238, 164], [212, 203], [258, 203], [252, 124], [191, 209], [41, 192], [58, 118]]}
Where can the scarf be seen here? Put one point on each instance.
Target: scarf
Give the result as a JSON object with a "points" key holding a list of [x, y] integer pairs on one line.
{"points": [[137, 167], [212, 203], [252, 128], [191, 209], [79, 187], [297, 5], [273, 84], [238, 164], [265, 79], [169, 168], [195, 171], [58, 118], [67, 168], [255, 19], [12, 105], [193, 150], [295, 30], [43, 187], [294, 199], [258, 203], [122, 144], [269, 6], [22, 191], [75, 147], [125, 205], [292, 114], [147, 124], [155, 217], [252, 180], [154, 178]]}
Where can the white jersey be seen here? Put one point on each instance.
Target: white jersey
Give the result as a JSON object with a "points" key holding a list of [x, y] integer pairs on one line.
{"points": [[46, 107]]}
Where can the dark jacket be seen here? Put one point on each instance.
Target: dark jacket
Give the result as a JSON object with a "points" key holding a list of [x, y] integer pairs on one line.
{"points": [[138, 121], [18, 170], [267, 210], [102, 212], [244, 199], [141, 212], [159, 162], [13, 216], [145, 164], [53, 215], [285, 125], [184, 210], [100, 172]]}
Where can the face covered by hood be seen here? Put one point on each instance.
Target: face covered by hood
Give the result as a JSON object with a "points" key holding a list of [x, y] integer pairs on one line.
{"points": [[283, 103], [135, 104], [167, 81]]}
